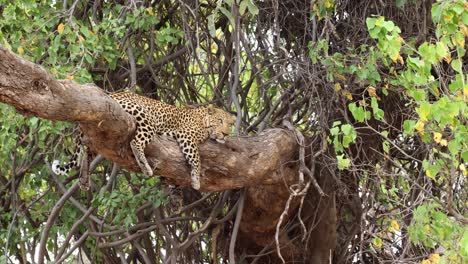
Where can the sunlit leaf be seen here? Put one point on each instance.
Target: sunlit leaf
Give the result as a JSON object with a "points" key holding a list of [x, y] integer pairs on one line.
{"points": [[60, 28]]}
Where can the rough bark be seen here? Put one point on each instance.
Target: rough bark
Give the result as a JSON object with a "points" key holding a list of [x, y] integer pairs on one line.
{"points": [[266, 161]]}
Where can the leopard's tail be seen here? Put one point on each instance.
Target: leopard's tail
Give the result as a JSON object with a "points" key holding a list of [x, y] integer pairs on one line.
{"points": [[66, 168]]}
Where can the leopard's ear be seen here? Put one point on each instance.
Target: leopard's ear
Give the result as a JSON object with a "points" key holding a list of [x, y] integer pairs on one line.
{"points": [[211, 109], [233, 118]]}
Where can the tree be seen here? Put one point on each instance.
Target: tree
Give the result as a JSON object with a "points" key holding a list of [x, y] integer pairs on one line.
{"points": [[349, 144]]}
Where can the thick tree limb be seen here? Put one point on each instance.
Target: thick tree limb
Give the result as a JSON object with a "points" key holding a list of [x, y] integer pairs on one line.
{"points": [[267, 163], [241, 162]]}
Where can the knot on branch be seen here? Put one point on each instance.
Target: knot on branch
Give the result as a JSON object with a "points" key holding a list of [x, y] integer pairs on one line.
{"points": [[39, 84]]}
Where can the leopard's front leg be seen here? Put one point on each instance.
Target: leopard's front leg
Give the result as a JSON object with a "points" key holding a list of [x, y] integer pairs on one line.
{"points": [[192, 155], [195, 165], [138, 150]]}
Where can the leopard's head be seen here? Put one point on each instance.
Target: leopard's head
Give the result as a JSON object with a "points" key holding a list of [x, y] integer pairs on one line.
{"points": [[219, 122]]}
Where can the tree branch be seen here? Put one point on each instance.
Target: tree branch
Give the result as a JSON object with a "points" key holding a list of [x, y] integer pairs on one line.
{"points": [[241, 162]]}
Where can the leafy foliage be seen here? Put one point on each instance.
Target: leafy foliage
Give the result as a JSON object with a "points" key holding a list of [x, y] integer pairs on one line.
{"points": [[438, 119]]}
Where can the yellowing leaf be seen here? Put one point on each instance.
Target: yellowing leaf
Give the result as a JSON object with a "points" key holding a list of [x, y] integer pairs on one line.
{"points": [[315, 8], [395, 225], [400, 60], [443, 143], [427, 228], [69, 77], [150, 10], [214, 47], [436, 91], [371, 90], [424, 111], [448, 17], [463, 28], [437, 137], [441, 50], [419, 126], [377, 242], [395, 56], [434, 258], [337, 87], [458, 40], [20, 50], [429, 174], [463, 169], [448, 58], [347, 94], [426, 261], [339, 76], [363, 103], [60, 28]]}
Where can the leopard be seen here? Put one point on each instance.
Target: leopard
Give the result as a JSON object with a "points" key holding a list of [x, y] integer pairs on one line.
{"points": [[188, 126]]}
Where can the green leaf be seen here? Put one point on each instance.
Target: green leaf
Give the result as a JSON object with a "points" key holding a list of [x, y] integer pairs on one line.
{"points": [[408, 127], [400, 3], [211, 25], [458, 8], [374, 32], [414, 62], [358, 112], [465, 18], [228, 14], [347, 129], [378, 113], [454, 147], [457, 83], [418, 95], [424, 110], [377, 242], [242, 7], [343, 162], [457, 65], [441, 50], [428, 52], [432, 171], [464, 244], [370, 23], [388, 25], [253, 9], [336, 123], [335, 131], [464, 156], [386, 146], [436, 12]]}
